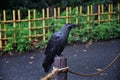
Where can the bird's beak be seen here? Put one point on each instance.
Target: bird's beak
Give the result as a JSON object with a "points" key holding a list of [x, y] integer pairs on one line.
{"points": [[75, 25]]}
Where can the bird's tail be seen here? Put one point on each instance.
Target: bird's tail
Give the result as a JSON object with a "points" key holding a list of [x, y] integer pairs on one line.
{"points": [[48, 61]]}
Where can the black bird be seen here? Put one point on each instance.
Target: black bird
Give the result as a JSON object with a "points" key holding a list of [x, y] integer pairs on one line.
{"points": [[56, 45]]}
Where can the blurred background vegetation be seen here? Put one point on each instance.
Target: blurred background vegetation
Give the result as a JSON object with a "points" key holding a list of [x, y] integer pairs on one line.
{"points": [[24, 5]]}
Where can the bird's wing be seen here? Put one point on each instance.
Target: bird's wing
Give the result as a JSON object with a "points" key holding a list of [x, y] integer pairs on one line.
{"points": [[53, 45]]}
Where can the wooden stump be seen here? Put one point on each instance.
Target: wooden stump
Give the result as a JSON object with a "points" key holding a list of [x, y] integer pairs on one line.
{"points": [[60, 62]]}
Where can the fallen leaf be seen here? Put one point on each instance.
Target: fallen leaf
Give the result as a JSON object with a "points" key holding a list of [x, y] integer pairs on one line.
{"points": [[1, 77], [105, 73], [75, 55], [6, 62], [102, 74], [87, 67], [74, 45], [84, 50], [89, 43], [41, 51], [11, 53], [30, 62], [99, 70], [32, 57]]}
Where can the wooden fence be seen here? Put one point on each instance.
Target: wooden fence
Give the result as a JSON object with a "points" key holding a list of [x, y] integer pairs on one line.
{"points": [[37, 26]]}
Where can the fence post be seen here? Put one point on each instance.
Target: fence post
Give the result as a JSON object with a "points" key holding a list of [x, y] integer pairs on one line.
{"points": [[60, 62]]}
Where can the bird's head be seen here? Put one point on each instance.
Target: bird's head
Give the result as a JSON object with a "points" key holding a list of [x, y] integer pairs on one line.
{"points": [[70, 26]]}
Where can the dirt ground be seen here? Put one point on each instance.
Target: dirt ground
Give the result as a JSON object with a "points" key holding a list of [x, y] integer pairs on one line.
{"points": [[81, 58]]}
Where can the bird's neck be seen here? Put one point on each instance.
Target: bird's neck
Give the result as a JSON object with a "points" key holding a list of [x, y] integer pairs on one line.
{"points": [[65, 31]]}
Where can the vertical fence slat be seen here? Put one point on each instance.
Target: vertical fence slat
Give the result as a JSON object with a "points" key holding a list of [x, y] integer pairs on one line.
{"points": [[70, 11], [29, 24], [109, 12], [48, 9], [118, 14], [102, 12], [58, 12], [59, 15], [48, 13], [99, 14], [67, 15], [80, 10], [34, 17], [4, 19], [70, 14], [91, 9], [14, 25], [14, 19], [43, 22], [19, 19], [55, 15], [88, 12], [91, 12], [76, 15]]}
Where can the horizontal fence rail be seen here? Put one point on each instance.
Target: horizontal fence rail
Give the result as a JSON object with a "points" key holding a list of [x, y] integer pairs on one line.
{"points": [[36, 24]]}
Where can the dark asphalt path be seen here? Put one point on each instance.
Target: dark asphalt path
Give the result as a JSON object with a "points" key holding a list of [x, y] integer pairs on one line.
{"points": [[80, 59]]}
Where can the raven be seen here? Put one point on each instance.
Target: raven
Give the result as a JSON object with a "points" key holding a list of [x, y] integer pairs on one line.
{"points": [[56, 45]]}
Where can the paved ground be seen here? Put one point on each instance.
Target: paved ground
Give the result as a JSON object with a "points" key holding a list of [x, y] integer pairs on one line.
{"points": [[80, 59]]}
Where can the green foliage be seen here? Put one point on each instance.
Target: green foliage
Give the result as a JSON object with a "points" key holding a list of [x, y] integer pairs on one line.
{"points": [[103, 31], [8, 47], [18, 43], [22, 45], [41, 45]]}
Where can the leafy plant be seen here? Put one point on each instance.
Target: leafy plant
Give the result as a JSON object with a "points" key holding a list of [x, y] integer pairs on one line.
{"points": [[19, 43], [23, 45], [8, 47]]}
